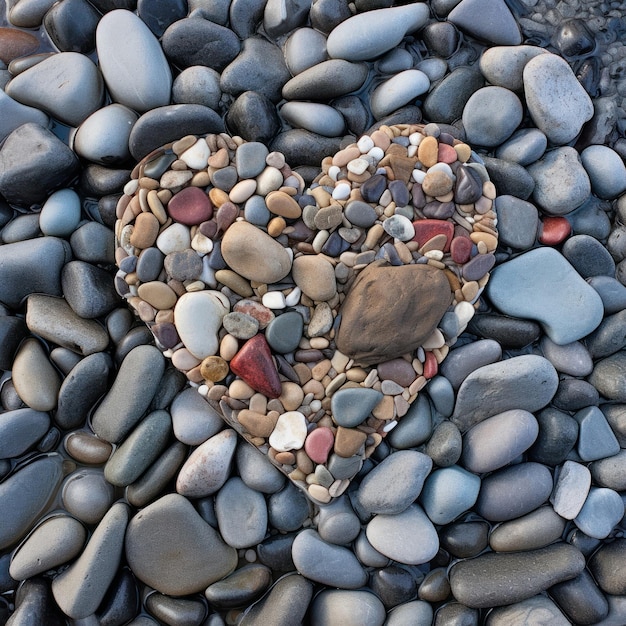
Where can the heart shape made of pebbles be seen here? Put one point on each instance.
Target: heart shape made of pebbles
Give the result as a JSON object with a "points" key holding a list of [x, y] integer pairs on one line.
{"points": [[309, 318]]}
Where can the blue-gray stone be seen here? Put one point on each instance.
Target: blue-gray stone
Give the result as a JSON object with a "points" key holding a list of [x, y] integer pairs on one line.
{"points": [[609, 377], [463, 360], [536, 529], [500, 29], [538, 608], [606, 171], [256, 211], [573, 359], [610, 472], [525, 146], [415, 427], [518, 221], [588, 256], [445, 445], [509, 178], [595, 439], [361, 607], [338, 523], [591, 218], [197, 84], [611, 291], [331, 78], [88, 289], [303, 49], [602, 511], [543, 286], [441, 393], [353, 405], [574, 394], [449, 492], [256, 470], [415, 612], [558, 433], [284, 332], [20, 430], [314, 116], [571, 489], [13, 114], [288, 508]]}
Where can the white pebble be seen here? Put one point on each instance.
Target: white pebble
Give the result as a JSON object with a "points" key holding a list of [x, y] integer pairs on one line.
{"points": [[365, 144], [197, 156], [174, 238], [418, 176], [290, 432], [464, 312], [434, 340], [294, 297], [201, 244], [274, 300], [357, 166], [389, 426], [131, 187], [334, 171], [415, 139], [443, 167], [436, 255], [376, 154], [342, 191]]}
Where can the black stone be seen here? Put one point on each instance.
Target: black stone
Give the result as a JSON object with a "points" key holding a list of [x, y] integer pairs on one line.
{"points": [[98, 180], [71, 25], [12, 331], [373, 188], [573, 394], [245, 15], [456, 614], [588, 256], [88, 289], [435, 587], [406, 115], [104, 6], [573, 39], [121, 602], [34, 604], [21, 227], [441, 38], [468, 187], [608, 567], [326, 14], [465, 539], [253, 117], [94, 243], [302, 147], [158, 15], [558, 433], [438, 210], [580, 599], [447, 99], [106, 209], [509, 332], [399, 192], [275, 552], [288, 509], [510, 179], [393, 585]]}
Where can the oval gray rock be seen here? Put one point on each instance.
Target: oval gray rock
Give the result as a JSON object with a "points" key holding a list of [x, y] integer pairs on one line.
{"points": [[326, 80], [334, 606], [21, 429]]}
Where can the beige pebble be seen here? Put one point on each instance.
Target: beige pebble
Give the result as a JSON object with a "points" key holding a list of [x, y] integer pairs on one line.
{"points": [[242, 191], [145, 231], [356, 374], [427, 151], [291, 396], [157, 294], [257, 424], [194, 375], [322, 197], [214, 368], [335, 384], [173, 179], [434, 340], [240, 390], [418, 384], [343, 157], [285, 458], [437, 183], [385, 409], [303, 371], [258, 403], [321, 369], [373, 236], [319, 493], [234, 282], [218, 197], [219, 159], [276, 226], [178, 147], [184, 360], [229, 346], [280, 203], [315, 387], [463, 152], [319, 343], [489, 240], [401, 406]]}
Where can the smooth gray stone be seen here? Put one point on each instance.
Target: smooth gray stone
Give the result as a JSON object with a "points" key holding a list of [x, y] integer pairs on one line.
{"points": [[149, 264], [157, 476], [455, 613], [245, 15], [465, 539], [99, 180], [500, 29], [558, 432], [253, 117], [88, 289], [498, 440], [284, 332], [556, 101], [449, 492], [241, 514], [337, 523], [367, 554], [609, 377], [571, 489], [327, 14], [275, 552], [610, 472], [303, 49], [326, 80], [463, 360], [216, 11], [286, 603], [13, 114], [259, 67], [525, 382], [87, 495], [415, 612], [94, 243], [168, 123], [282, 16], [504, 65], [616, 417], [130, 394], [394, 483], [353, 405], [60, 214], [12, 331], [609, 337], [341, 467], [256, 471], [514, 491], [580, 599], [359, 607], [315, 117], [67, 86], [518, 222], [82, 387], [561, 182], [132, 62], [415, 427], [153, 535], [54, 320], [447, 99], [574, 394], [176, 610], [588, 256], [612, 292], [491, 115], [534, 610], [20, 430], [241, 588], [525, 146], [543, 286], [34, 604], [159, 15], [139, 450], [606, 171], [441, 393], [444, 445], [398, 91], [80, 589], [596, 440], [572, 359], [608, 567], [369, 34], [194, 420], [494, 579], [197, 84], [509, 178], [103, 136], [302, 147], [537, 529], [590, 218], [288, 508], [602, 511], [25, 494], [408, 537], [33, 161], [326, 563]]}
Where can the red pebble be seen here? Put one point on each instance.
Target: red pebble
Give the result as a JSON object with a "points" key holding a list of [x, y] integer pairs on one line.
{"points": [[554, 230], [190, 206], [319, 443], [431, 367], [461, 249], [425, 230], [255, 366], [446, 153]]}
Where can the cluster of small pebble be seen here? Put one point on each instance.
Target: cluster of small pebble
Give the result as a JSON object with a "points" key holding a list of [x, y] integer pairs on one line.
{"points": [[228, 259], [498, 495]]}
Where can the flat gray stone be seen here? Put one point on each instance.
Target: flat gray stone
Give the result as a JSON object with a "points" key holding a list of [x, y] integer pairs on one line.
{"points": [[194, 420], [596, 440], [257, 471], [571, 489], [518, 222], [415, 427], [524, 147], [88, 289], [602, 511], [534, 530], [171, 561], [538, 608], [326, 80], [499, 28], [606, 171], [609, 377], [352, 406], [572, 359], [415, 612], [525, 382], [610, 472], [541, 285], [609, 337], [338, 523], [504, 65], [20, 430], [361, 607], [588, 256], [13, 114]]}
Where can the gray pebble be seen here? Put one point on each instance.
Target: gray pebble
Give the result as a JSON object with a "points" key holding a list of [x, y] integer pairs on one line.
{"points": [[581, 599], [612, 292], [573, 358], [253, 116], [282, 16], [596, 439], [88, 289], [608, 567], [360, 607], [193, 418], [93, 243], [602, 511], [441, 393], [610, 472], [197, 84], [256, 471], [509, 178], [558, 433], [606, 171], [367, 554], [415, 427], [574, 394], [303, 49], [504, 65], [315, 117], [525, 146], [447, 99], [288, 508], [337, 523], [588, 256], [415, 612], [616, 417], [20, 430], [518, 221], [241, 588], [500, 29], [303, 147], [244, 16], [87, 495], [609, 377], [444, 445], [14, 114], [537, 608], [175, 610]]}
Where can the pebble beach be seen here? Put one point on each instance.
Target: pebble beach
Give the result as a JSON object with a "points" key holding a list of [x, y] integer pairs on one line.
{"points": [[312, 312]]}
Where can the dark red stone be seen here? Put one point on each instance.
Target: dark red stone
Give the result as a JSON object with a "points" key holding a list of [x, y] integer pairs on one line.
{"points": [[190, 206], [16, 43], [425, 230], [554, 230], [446, 153], [431, 367], [255, 366], [319, 443], [226, 215], [461, 249]]}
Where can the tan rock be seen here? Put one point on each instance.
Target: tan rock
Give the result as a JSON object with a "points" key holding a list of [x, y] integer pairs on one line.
{"points": [[315, 276], [348, 441]]}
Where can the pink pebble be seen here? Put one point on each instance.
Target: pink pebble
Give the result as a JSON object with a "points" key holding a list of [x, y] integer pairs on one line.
{"points": [[426, 229], [554, 230], [446, 153], [319, 443], [461, 249], [431, 367], [190, 206]]}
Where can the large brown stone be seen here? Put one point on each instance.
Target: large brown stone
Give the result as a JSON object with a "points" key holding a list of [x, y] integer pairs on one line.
{"points": [[391, 310]]}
